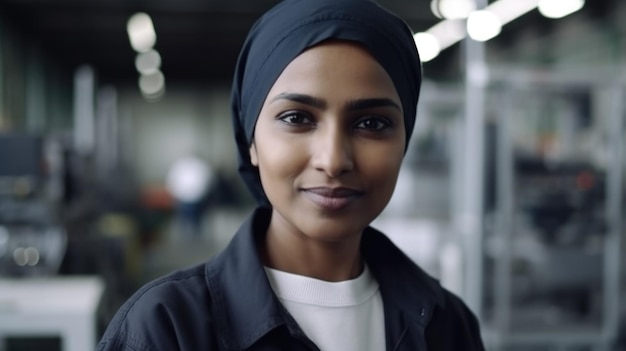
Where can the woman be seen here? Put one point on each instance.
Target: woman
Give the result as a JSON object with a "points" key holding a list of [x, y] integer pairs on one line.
{"points": [[324, 103]]}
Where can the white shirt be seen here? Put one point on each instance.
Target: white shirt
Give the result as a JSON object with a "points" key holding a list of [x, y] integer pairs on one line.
{"points": [[336, 316]]}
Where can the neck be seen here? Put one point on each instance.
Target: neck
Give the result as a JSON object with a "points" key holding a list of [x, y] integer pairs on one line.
{"points": [[297, 253]]}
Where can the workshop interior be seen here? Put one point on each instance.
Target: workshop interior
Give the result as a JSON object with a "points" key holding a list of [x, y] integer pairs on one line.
{"points": [[118, 165]]}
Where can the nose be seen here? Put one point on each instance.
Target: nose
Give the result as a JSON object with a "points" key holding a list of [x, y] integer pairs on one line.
{"points": [[333, 151]]}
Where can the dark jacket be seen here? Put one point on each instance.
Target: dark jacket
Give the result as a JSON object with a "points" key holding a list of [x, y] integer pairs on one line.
{"points": [[228, 304]]}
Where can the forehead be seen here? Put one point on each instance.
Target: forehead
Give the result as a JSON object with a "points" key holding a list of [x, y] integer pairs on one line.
{"points": [[336, 67]]}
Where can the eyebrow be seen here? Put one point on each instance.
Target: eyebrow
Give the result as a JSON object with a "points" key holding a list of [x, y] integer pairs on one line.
{"points": [[363, 104], [302, 98], [353, 105]]}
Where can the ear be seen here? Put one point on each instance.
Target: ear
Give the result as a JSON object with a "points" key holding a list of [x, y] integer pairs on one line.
{"points": [[254, 158]]}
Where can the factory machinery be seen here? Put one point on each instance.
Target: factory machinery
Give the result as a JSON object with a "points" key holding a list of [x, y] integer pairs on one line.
{"points": [[543, 265], [553, 248]]}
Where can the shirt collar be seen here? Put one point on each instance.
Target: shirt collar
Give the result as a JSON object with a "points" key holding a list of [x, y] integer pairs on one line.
{"points": [[246, 307]]}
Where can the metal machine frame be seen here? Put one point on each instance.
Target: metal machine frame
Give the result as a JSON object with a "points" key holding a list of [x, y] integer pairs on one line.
{"points": [[501, 335]]}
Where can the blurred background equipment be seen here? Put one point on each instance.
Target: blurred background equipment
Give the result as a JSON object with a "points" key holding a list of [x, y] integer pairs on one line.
{"points": [[554, 250], [50, 314], [32, 240], [33, 245]]}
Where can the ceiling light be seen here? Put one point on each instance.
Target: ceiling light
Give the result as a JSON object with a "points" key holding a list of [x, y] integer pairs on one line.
{"points": [[452, 9], [483, 25], [509, 10], [154, 97], [434, 8], [559, 8], [427, 46], [148, 62], [141, 32], [152, 84], [448, 32]]}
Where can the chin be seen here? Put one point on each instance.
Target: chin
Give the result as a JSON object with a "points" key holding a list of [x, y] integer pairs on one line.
{"points": [[332, 229]]}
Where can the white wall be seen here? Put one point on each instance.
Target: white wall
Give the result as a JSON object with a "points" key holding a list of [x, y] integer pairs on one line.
{"points": [[187, 120]]}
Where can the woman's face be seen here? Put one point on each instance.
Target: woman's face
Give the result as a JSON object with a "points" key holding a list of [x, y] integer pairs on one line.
{"points": [[329, 142]]}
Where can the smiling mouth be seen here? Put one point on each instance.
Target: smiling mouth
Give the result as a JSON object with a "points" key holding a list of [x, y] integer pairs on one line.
{"points": [[332, 199]]}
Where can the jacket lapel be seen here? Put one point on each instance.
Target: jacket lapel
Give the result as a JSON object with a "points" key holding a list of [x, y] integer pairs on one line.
{"points": [[403, 332], [246, 309], [409, 294]]}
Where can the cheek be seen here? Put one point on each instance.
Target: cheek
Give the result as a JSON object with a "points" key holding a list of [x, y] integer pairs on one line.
{"points": [[279, 158], [382, 166]]}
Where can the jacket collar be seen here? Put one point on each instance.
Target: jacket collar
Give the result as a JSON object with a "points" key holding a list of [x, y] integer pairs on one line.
{"points": [[409, 294], [403, 284], [246, 308]]}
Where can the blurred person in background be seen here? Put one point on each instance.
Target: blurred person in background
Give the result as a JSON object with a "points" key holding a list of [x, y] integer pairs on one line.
{"points": [[324, 102], [190, 180]]}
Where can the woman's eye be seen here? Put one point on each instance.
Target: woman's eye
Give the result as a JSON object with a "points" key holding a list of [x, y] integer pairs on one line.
{"points": [[373, 124], [295, 118]]}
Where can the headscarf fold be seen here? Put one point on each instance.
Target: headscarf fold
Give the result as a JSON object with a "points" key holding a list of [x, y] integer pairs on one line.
{"points": [[293, 26]]}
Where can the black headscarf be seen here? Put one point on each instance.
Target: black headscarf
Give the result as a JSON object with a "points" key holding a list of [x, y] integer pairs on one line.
{"points": [[291, 27]]}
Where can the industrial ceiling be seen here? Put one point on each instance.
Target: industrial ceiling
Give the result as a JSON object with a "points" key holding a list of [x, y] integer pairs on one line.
{"points": [[198, 40]]}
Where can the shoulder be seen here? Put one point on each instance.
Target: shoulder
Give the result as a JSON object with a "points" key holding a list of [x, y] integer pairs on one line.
{"points": [[164, 313], [453, 326]]}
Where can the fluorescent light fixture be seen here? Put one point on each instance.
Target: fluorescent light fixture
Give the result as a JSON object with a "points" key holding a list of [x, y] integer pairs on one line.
{"points": [[141, 32], [488, 22], [434, 8], [148, 62], [454, 9], [509, 10], [427, 46], [559, 8], [156, 96], [483, 25], [152, 85], [449, 32]]}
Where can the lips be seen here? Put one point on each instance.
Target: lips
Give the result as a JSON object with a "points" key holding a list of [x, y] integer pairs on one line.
{"points": [[332, 199]]}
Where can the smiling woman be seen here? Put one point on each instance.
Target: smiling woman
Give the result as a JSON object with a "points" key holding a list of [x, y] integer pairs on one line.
{"points": [[328, 144], [324, 102]]}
